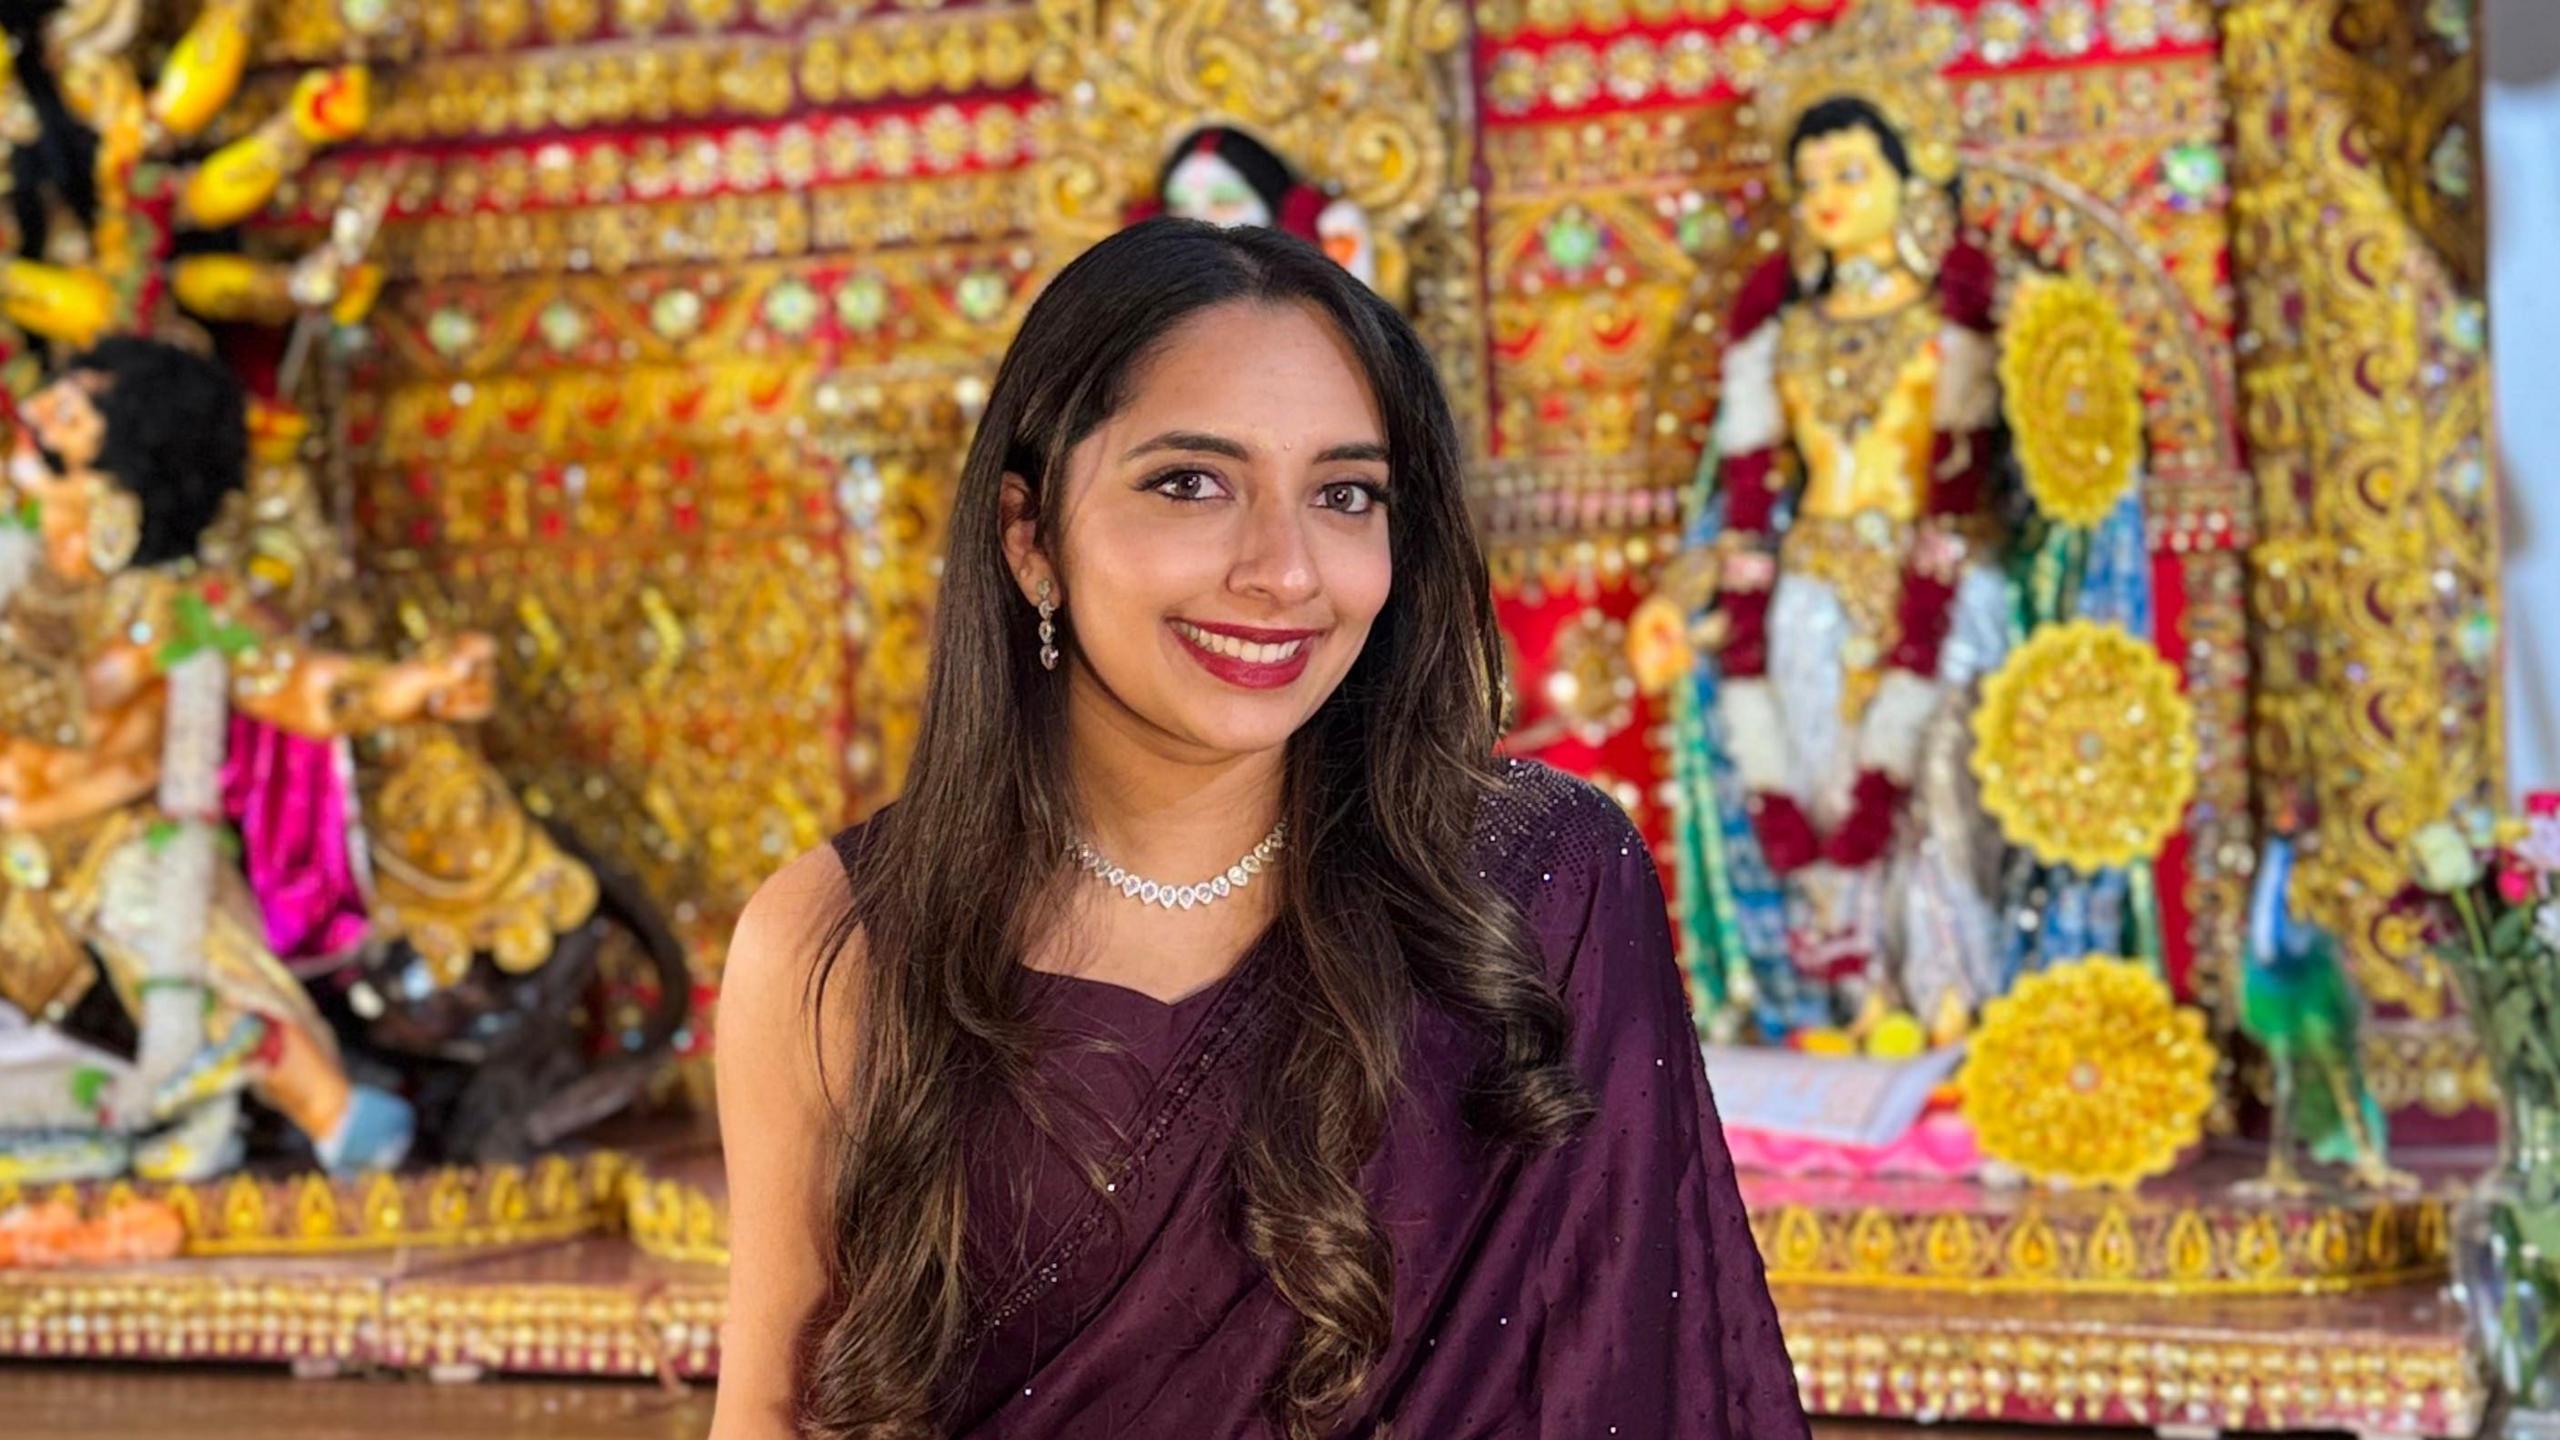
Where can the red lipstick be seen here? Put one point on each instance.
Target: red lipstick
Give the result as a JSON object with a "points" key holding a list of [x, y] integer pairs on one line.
{"points": [[1236, 670]]}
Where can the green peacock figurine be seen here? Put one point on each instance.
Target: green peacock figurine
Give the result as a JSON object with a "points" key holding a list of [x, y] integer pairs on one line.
{"points": [[2298, 1005]]}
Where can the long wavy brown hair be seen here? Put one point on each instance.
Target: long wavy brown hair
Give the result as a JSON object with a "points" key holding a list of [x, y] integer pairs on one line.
{"points": [[1378, 904]]}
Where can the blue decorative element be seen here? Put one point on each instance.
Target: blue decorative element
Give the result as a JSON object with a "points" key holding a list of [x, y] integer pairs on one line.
{"points": [[2092, 914], [374, 1134]]}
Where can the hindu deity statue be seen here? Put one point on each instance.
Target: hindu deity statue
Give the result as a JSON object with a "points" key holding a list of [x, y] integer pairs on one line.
{"points": [[135, 689], [101, 187], [1222, 175], [1847, 578], [289, 869]]}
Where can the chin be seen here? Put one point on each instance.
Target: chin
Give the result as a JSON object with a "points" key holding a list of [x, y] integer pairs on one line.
{"points": [[1243, 725]]}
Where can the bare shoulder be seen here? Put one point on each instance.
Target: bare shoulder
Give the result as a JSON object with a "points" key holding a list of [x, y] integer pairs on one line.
{"points": [[788, 928], [794, 906], [776, 1113]]}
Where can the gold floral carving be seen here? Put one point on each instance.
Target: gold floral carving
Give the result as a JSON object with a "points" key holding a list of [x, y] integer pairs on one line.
{"points": [[2366, 401], [2072, 390], [1357, 98], [2084, 746], [2089, 1073]]}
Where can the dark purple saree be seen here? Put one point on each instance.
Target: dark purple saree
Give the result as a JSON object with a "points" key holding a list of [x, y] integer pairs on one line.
{"points": [[1607, 1288]]}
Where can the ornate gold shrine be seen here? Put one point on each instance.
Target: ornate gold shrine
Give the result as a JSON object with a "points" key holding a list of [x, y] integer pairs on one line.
{"points": [[693, 307], [2050, 1312]]}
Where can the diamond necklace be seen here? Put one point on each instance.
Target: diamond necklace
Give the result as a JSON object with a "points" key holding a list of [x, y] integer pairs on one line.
{"points": [[1180, 897]]}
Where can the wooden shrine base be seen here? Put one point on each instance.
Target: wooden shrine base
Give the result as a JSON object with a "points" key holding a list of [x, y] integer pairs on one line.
{"points": [[2331, 1332], [2381, 1362], [111, 1402]]}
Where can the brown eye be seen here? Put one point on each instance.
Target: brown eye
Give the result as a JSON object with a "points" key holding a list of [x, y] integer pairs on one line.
{"points": [[1187, 486], [1352, 497]]}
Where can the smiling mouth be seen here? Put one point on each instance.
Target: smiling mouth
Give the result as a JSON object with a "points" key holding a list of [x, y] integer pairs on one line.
{"points": [[1263, 651]]}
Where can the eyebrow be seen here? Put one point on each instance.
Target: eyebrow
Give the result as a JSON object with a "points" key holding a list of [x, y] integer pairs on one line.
{"points": [[1200, 442]]}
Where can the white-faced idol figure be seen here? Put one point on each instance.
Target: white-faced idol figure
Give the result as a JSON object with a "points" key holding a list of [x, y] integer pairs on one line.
{"points": [[1228, 178]]}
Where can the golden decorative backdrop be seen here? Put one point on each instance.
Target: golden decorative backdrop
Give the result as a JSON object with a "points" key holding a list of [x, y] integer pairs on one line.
{"points": [[694, 303], [2366, 392]]}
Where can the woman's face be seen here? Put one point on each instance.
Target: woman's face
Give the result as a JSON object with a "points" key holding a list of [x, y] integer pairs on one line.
{"points": [[1848, 195], [1222, 540]]}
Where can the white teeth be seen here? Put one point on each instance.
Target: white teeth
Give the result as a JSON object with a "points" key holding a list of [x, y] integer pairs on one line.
{"points": [[1252, 653]]}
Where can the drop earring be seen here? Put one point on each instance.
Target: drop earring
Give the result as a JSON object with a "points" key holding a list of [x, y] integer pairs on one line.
{"points": [[1048, 627]]}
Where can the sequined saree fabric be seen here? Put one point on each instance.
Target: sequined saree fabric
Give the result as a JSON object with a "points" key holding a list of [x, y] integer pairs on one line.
{"points": [[1606, 1287]]}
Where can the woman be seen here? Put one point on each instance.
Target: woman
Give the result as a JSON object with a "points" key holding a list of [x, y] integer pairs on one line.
{"points": [[1395, 1122]]}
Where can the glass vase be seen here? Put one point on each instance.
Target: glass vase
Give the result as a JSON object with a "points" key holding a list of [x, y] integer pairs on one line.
{"points": [[2506, 1263]]}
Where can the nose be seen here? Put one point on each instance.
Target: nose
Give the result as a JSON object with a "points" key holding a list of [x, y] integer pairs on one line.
{"points": [[1273, 562]]}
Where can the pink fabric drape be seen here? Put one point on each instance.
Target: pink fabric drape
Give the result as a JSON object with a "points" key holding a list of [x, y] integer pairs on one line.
{"points": [[287, 797]]}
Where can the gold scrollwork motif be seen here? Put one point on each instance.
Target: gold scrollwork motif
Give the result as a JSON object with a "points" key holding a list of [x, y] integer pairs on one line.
{"points": [[460, 868], [2366, 401], [1356, 98]]}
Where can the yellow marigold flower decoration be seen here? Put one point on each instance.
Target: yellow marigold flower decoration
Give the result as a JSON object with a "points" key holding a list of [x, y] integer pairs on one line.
{"points": [[2089, 1074], [2073, 392], [2084, 746]]}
